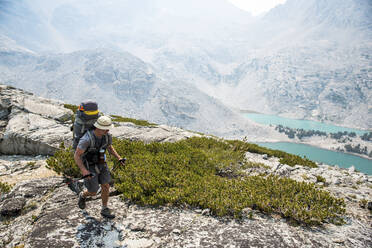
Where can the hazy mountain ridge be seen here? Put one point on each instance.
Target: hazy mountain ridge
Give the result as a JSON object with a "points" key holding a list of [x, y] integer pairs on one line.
{"points": [[304, 59], [317, 80], [331, 87], [333, 13], [123, 84], [315, 64], [68, 26]]}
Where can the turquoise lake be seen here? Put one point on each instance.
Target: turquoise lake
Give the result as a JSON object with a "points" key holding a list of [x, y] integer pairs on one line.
{"points": [[304, 124], [343, 160]]}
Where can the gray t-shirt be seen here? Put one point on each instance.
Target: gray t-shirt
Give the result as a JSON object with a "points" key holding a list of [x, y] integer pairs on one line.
{"points": [[84, 141]]}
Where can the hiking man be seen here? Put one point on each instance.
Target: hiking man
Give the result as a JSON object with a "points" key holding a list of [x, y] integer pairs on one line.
{"points": [[90, 157]]}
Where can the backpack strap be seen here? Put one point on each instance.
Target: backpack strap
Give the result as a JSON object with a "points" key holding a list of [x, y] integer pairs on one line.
{"points": [[81, 122], [90, 153], [92, 141], [105, 143]]}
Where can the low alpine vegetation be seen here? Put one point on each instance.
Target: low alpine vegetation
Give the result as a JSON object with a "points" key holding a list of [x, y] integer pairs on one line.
{"points": [[5, 187], [285, 158], [72, 107], [320, 179], [188, 173], [117, 118], [63, 162]]}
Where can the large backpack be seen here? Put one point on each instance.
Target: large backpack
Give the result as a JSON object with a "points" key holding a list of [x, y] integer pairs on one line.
{"points": [[85, 117]]}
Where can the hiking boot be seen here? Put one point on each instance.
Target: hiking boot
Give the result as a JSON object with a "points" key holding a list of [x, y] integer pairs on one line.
{"points": [[81, 201], [106, 212]]}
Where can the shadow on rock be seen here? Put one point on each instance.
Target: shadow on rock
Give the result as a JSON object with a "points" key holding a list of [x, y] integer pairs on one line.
{"points": [[95, 233]]}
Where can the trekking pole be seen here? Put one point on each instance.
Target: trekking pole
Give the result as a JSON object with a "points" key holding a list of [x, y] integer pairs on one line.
{"points": [[73, 183], [121, 161]]}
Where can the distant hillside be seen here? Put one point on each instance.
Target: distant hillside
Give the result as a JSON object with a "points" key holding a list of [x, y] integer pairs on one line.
{"points": [[303, 59], [306, 59], [123, 84]]}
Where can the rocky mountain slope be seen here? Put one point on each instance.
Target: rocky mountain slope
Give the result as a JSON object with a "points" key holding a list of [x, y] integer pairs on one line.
{"points": [[32, 125], [123, 84], [303, 59], [307, 59], [42, 211]]}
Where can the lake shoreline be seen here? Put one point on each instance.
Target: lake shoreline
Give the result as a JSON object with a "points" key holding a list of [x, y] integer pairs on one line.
{"points": [[317, 146], [322, 155], [245, 111], [327, 142], [339, 125], [319, 141]]}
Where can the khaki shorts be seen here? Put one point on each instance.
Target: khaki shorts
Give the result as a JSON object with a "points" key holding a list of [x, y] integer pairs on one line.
{"points": [[103, 177]]}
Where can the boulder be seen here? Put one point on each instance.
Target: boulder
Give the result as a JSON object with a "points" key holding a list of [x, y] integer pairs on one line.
{"points": [[351, 169], [12, 207], [35, 126], [158, 133]]}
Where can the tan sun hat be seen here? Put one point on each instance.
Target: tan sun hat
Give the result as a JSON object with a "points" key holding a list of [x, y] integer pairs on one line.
{"points": [[104, 123]]}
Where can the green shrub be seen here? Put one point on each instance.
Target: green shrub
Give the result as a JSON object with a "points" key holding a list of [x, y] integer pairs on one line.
{"points": [[186, 173], [320, 179], [32, 164], [250, 164], [63, 162], [34, 218], [5, 187], [363, 203], [72, 107], [144, 123], [305, 177], [116, 118], [285, 158]]}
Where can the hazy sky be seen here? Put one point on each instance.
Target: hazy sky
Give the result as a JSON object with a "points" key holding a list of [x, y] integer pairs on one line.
{"points": [[256, 7]]}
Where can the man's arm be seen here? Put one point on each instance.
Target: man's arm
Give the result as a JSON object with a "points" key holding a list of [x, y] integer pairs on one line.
{"points": [[77, 156], [112, 151]]}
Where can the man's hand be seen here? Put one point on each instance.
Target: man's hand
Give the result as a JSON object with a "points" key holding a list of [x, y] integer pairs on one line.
{"points": [[87, 174], [79, 162], [122, 161], [113, 152]]}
